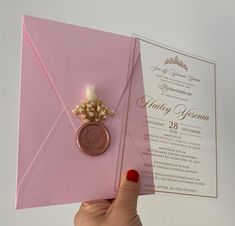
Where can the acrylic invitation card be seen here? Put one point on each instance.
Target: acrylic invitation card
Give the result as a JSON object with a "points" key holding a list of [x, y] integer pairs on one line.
{"points": [[176, 123]]}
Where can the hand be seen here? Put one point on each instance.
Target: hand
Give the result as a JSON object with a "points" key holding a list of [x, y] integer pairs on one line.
{"points": [[118, 212]]}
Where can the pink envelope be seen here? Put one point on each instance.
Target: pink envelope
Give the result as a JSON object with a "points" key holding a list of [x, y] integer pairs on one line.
{"points": [[134, 144], [58, 61]]}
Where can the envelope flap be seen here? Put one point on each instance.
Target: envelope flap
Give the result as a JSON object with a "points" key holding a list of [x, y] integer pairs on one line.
{"points": [[38, 109], [75, 56]]}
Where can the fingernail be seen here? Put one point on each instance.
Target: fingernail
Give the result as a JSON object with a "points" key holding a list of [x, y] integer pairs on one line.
{"points": [[133, 175]]}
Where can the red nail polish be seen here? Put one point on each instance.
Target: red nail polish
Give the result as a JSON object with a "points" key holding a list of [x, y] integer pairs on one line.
{"points": [[133, 175]]}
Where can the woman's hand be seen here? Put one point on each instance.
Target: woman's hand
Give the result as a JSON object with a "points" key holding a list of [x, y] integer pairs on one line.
{"points": [[118, 212]]}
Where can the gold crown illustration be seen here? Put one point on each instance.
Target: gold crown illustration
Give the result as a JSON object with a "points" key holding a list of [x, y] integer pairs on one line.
{"points": [[177, 61]]}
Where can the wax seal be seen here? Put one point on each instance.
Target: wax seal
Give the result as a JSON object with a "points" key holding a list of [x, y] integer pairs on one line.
{"points": [[92, 137]]}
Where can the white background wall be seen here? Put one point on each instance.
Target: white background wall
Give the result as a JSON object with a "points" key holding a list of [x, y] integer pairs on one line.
{"points": [[203, 27]]}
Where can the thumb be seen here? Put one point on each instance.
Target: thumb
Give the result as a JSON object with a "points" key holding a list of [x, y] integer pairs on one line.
{"points": [[129, 189]]}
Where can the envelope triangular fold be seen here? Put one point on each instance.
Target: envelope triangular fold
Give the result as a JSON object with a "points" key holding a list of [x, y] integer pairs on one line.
{"points": [[75, 56], [39, 107]]}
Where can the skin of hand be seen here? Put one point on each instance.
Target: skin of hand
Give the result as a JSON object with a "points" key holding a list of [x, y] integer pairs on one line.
{"points": [[118, 212]]}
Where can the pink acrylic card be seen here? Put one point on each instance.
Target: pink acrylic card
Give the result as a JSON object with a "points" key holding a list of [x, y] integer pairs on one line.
{"points": [[58, 61]]}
